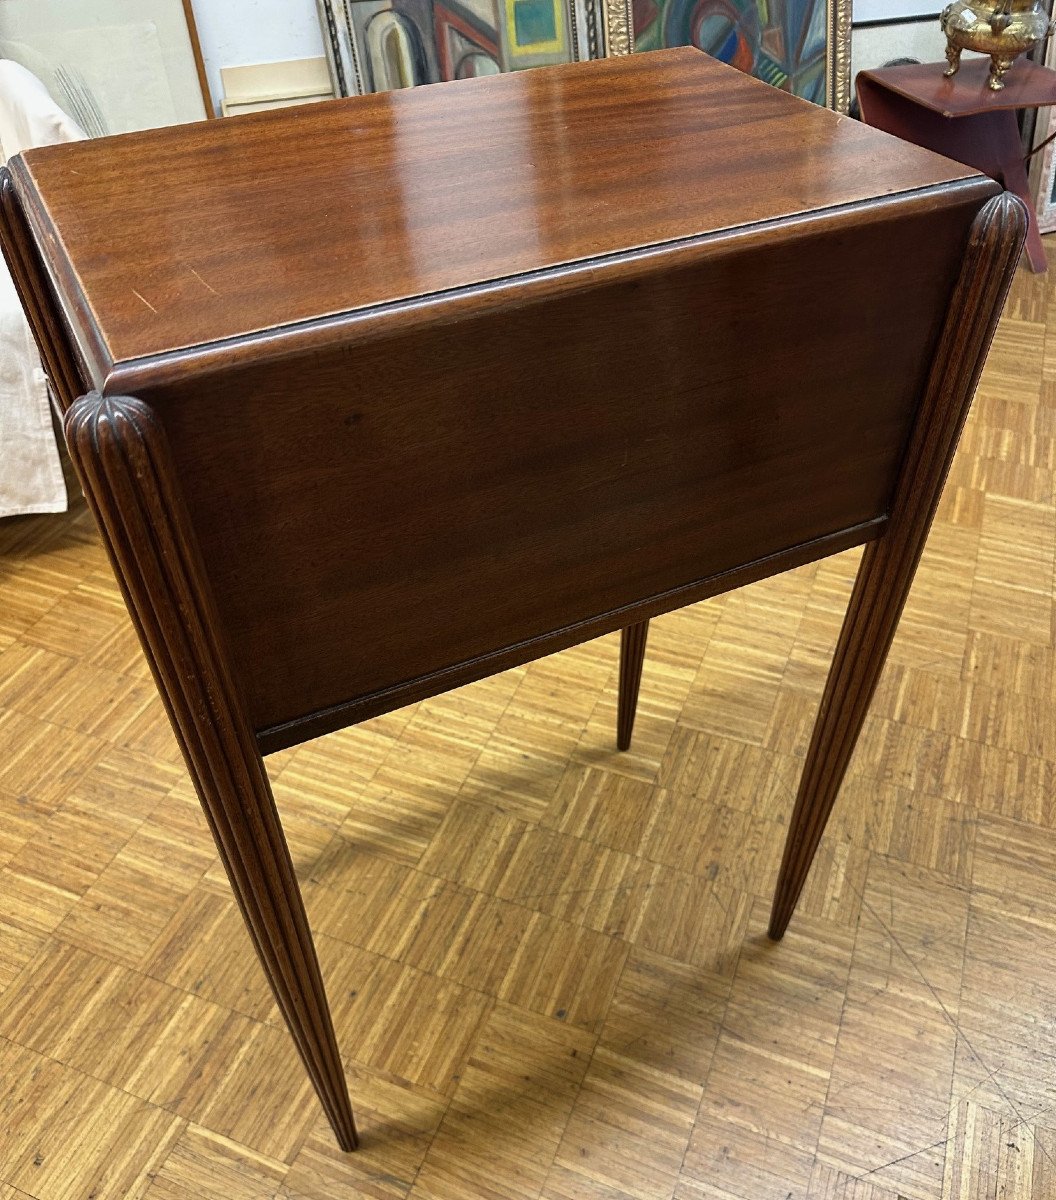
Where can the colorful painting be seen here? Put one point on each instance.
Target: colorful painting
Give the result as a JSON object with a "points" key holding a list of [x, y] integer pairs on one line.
{"points": [[802, 46], [378, 45], [785, 42]]}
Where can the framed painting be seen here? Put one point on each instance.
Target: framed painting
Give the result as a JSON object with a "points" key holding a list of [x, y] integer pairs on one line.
{"points": [[800, 46], [377, 45]]}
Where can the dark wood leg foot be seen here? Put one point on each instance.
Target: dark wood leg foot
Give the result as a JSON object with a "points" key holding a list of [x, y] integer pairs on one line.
{"points": [[889, 564], [632, 655], [122, 457], [257, 860]]}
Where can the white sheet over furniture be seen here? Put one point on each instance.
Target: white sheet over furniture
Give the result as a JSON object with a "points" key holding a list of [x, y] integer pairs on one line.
{"points": [[30, 472]]}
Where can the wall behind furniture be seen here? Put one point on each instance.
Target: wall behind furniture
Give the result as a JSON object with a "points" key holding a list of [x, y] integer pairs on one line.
{"points": [[874, 45], [237, 33]]}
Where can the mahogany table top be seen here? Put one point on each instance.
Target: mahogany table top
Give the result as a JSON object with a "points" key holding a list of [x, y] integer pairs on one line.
{"points": [[198, 234]]}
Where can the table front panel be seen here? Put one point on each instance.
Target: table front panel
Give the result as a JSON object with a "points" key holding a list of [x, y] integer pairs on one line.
{"points": [[380, 510]]}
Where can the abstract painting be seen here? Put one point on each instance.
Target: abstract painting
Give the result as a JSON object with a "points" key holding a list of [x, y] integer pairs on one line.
{"points": [[788, 43], [802, 46], [378, 45]]}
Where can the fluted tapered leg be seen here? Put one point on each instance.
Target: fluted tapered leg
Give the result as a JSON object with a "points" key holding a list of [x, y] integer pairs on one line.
{"points": [[632, 655], [889, 564], [122, 457]]}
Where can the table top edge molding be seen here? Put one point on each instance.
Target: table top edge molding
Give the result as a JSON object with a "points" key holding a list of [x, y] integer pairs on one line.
{"points": [[129, 376]]}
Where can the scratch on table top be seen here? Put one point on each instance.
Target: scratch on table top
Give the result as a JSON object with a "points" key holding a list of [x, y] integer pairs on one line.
{"points": [[145, 301], [207, 286]]}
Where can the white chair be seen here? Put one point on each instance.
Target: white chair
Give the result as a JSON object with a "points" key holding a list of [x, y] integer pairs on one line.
{"points": [[30, 471]]}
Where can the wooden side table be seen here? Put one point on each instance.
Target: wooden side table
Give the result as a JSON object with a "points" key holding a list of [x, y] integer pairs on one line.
{"points": [[388, 394], [963, 119]]}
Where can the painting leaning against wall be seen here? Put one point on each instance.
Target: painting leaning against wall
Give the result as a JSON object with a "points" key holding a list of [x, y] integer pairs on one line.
{"points": [[378, 45], [788, 43], [801, 46]]}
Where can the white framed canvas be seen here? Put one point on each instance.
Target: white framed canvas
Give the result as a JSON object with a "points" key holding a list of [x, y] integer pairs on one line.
{"points": [[113, 65]]}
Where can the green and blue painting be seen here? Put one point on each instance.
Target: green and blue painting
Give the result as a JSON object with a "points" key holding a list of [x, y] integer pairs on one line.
{"points": [[784, 42]]}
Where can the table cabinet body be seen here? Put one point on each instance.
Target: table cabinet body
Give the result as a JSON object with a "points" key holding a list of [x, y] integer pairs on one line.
{"points": [[389, 394]]}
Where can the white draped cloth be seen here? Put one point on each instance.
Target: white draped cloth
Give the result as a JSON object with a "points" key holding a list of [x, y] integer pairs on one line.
{"points": [[30, 472]]}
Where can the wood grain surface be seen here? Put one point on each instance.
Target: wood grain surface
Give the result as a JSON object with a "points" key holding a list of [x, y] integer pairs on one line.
{"points": [[123, 461], [491, 473], [583, 460], [1028, 85], [181, 238], [601, 1016]]}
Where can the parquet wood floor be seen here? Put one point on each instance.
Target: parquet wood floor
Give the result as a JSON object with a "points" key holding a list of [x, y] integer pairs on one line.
{"points": [[547, 960]]}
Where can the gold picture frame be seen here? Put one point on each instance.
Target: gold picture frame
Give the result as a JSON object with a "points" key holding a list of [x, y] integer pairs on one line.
{"points": [[777, 41]]}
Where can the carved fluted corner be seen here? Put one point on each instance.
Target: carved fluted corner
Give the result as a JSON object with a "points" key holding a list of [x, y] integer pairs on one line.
{"points": [[889, 564], [121, 454], [105, 435], [122, 457], [995, 244]]}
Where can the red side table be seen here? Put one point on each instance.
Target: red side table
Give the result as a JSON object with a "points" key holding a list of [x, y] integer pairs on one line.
{"points": [[963, 119]]}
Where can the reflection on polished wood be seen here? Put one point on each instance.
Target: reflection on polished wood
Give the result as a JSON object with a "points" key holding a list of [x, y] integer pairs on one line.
{"points": [[602, 1015], [402, 194]]}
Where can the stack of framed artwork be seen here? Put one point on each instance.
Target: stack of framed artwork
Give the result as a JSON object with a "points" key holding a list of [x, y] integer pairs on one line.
{"points": [[801, 46]]}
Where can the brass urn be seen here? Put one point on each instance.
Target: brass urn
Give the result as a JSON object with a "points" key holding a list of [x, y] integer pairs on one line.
{"points": [[1004, 29]]}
